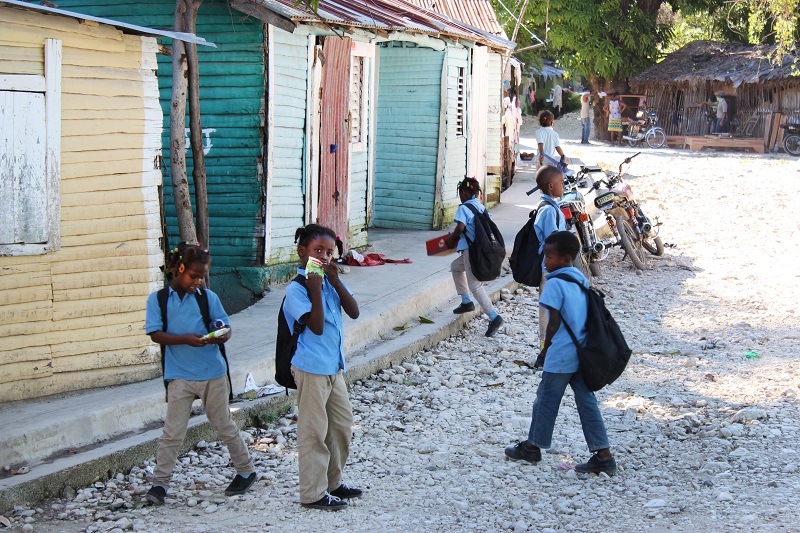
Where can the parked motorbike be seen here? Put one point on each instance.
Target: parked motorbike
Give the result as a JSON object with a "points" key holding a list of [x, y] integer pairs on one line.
{"points": [[578, 220], [645, 131], [791, 138], [632, 229]]}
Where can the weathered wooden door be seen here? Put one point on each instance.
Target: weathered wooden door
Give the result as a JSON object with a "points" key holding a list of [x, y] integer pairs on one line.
{"points": [[335, 136]]}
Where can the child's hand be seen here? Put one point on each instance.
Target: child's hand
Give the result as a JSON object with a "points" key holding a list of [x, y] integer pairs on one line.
{"points": [[539, 363], [313, 281], [194, 340], [332, 271]]}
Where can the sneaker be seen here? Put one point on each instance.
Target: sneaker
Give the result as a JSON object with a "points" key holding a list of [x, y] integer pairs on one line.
{"points": [[240, 484], [464, 308], [156, 495], [524, 451], [327, 503], [595, 465], [494, 325], [346, 491]]}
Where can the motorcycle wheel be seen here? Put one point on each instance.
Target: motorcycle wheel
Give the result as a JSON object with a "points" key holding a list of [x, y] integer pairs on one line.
{"points": [[594, 268], [654, 245], [656, 138], [582, 263], [633, 143], [791, 143], [631, 243]]}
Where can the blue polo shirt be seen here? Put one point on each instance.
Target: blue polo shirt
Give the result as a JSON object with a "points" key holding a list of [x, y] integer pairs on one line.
{"points": [[467, 217], [569, 300], [549, 219], [182, 361], [317, 354]]}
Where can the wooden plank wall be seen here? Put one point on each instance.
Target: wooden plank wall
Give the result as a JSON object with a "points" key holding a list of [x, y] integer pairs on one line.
{"points": [[289, 68], [494, 132], [232, 105], [407, 135], [74, 318], [455, 153]]}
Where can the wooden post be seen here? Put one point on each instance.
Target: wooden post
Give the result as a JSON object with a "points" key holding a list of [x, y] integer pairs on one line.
{"points": [[195, 128], [177, 132]]}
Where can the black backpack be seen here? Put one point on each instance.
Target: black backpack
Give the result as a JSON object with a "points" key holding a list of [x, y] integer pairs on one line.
{"points": [[526, 260], [488, 251], [286, 345], [606, 353], [202, 302]]}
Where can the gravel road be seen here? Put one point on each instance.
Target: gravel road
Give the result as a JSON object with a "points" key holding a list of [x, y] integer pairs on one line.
{"points": [[705, 437]]}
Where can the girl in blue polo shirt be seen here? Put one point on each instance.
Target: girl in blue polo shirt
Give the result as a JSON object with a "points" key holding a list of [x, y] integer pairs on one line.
{"points": [[193, 368], [468, 191], [324, 418], [566, 302]]}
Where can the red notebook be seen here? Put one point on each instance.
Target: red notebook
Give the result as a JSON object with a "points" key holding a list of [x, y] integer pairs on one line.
{"points": [[437, 246]]}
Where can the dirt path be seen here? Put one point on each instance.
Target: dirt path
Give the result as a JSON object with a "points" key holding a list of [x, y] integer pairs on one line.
{"points": [[706, 438]]}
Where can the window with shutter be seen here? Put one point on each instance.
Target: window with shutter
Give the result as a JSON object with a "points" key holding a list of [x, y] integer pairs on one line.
{"points": [[357, 100], [461, 103]]}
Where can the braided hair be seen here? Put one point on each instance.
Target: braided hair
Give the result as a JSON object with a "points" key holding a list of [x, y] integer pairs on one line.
{"points": [[470, 186], [307, 233], [186, 253]]}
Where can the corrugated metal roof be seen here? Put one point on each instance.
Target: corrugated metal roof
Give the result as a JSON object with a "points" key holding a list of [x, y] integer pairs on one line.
{"points": [[478, 13], [387, 15], [132, 28]]}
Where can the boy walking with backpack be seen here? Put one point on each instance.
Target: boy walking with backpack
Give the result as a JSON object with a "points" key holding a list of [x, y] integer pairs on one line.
{"points": [[463, 275], [549, 219], [568, 307]]}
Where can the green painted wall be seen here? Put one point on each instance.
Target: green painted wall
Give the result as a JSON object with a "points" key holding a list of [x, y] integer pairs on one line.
{"points": [[407, 136], [232, 93]]}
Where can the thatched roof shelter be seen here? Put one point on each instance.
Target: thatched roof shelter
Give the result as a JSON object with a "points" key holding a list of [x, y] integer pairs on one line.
{"points": [[760, 94], [730, 64]]}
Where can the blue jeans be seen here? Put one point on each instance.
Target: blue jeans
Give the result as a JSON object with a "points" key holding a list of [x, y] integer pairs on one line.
{"points": [[548, 400], [585, 129]]}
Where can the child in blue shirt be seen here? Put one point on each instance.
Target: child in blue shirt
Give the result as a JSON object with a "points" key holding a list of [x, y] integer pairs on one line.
{"points": [[193, 368], [468, 191], [324, 418], [566, 303], [549, 219]]}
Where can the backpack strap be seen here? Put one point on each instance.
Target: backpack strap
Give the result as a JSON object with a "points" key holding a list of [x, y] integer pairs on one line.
{"points": [[564, 277], [474, 212], [202, 301], [298, 327], [163, 296]]}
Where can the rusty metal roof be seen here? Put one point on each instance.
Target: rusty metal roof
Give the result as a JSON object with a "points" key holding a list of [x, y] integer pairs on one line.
{"points": [[478, 13], [386, 15]]}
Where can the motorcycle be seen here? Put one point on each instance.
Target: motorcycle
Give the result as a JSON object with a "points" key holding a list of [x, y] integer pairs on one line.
{"points": [[578, 220], [632, 229], [791, 138], [644, 131]]}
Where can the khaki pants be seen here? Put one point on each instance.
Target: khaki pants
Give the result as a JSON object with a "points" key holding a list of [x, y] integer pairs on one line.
{"points": [[544, 315], [466, 281], [324, 432], [214, 394]]}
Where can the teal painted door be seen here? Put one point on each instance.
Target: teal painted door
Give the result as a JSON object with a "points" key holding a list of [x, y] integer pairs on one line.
{"points": [[407, 136], [232, 94]]}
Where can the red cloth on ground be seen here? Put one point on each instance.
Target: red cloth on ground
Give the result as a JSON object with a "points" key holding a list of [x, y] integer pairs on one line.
{"points": [[374, 260]]}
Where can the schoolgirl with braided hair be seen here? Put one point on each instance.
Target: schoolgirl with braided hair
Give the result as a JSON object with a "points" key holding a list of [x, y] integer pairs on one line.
{"points": [[193, 367], [324, 415], [469, 191]]}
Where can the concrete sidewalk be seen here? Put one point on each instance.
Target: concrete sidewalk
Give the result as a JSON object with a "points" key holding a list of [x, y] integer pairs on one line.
{"points": [[73, 439]]}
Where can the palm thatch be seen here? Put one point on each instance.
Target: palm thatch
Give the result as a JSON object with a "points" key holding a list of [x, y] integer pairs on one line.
{"points": [[731, 64]]}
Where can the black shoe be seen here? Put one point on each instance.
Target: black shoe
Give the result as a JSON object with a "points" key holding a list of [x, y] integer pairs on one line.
{"points": [[345, 491], [595, 465], [524, 451], [327, 503], [464, 308], [240, 484], [494, 325], [156, 495]]}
